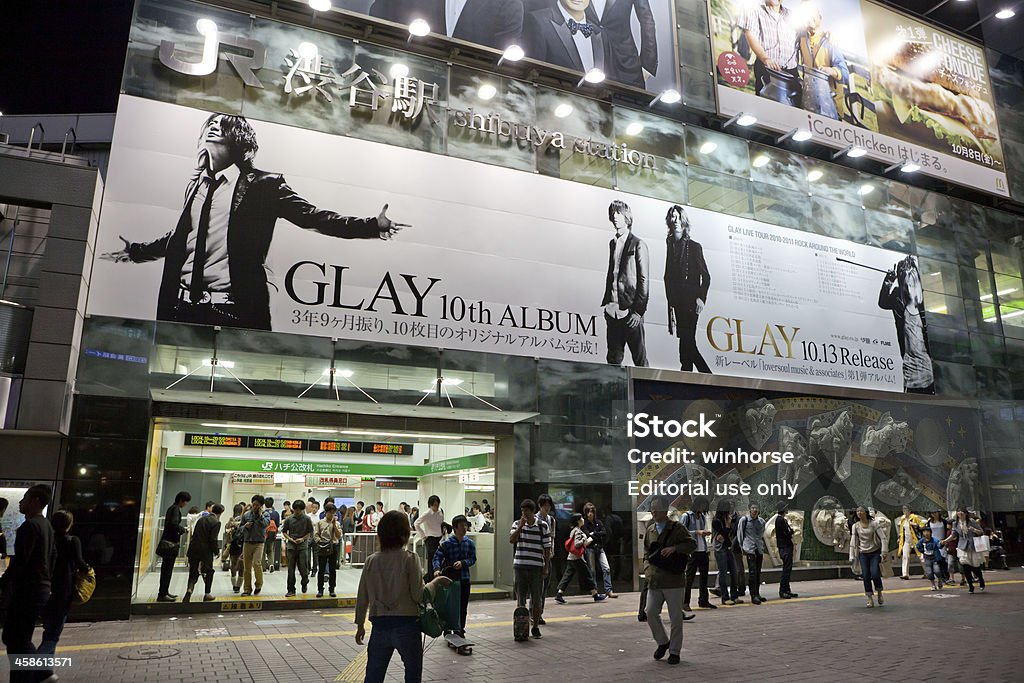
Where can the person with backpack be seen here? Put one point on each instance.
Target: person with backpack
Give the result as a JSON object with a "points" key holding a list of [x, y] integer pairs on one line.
{"points": [[254, 533], [327, 537], [576, 564], [666, 547], [201, 549], [695, 521], [750, 536], [297, 532], [272, 546], [68, 562], [233, 545]]}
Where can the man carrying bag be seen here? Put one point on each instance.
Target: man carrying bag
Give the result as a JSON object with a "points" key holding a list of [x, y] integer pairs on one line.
{"points": [[667, 545]]}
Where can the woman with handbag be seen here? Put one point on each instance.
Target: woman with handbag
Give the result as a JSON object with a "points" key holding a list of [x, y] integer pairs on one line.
{"points": [[964, 532], [327, 536], [868, 543], [576, 564], [391, 590], [233, 546], [66, 565]]}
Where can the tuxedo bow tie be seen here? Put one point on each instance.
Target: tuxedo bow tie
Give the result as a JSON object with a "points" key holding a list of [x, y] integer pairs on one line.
{"points": [[581, 27]]}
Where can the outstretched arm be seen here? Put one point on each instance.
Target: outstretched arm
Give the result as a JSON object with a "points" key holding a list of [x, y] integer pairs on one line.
{"points": [[295, 209], [139, 252]]}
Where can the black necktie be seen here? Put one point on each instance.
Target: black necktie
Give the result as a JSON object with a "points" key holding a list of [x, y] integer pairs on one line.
{"points": [[196, 288]]}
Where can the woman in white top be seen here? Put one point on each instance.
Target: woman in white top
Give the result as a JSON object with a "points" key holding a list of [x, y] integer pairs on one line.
{"points": [[869, 542], [964, 531]]}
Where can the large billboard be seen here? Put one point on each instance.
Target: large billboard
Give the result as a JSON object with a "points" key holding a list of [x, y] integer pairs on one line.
{"points": [[631, 41], [220, 220], [854, 73]]}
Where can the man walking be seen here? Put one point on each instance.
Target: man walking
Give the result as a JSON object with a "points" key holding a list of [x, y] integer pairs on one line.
{"points": [[750, 535], [272, 546], [666, 545], [546, 505], [201, 549], [298, 533], [453, 558], [26, 583], [596, 555], [627, 288], [173, 529], [784, 539], [531, 562], [254, 535], [696, 523]]}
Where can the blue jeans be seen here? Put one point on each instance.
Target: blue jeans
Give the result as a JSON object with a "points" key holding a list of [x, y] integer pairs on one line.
{"points": [[728, 580], [931, 567], [871, 570], [390, 634], [601, 568]]}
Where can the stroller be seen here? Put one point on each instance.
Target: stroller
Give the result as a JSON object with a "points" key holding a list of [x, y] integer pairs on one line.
{"points": [[442, 616]]}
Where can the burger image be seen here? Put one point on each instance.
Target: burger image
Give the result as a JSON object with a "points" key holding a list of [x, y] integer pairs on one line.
{"points": [[929, 102]]}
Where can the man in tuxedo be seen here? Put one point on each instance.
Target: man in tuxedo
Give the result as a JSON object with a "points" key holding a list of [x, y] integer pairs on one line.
{"points": [[627, 288], [630, 65], [215, 257], [494, 23], [567, 34], [687, 281]]}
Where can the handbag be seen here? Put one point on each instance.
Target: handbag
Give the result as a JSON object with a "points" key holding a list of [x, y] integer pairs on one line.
{"points": [[167, 548], [574, 549], [982, 544], [83, 585], [673, 564], [324, 548], [430, 622]]}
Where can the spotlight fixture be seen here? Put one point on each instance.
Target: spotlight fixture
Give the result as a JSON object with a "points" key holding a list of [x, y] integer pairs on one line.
{"points": [[594, 76], [1005, 14], [760, 161], [398, 70], [634, 128], [487, 92], [418, 28], [206, 26], [742, 120], [904, 165], [512, 53], [320, 5], [852, 151], [563, 110], [708, 147], [865, 189], [802, 136], [814, 175], [670, 96]]}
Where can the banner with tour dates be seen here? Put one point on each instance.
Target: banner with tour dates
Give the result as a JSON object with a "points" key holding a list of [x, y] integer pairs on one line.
{"points": [[219, 220], [856, 73]]}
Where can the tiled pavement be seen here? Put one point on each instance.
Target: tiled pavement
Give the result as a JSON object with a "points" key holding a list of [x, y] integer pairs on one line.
{"points": [[825, 635]]}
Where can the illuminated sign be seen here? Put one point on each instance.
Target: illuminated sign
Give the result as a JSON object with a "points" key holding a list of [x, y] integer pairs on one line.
{"points": [[276, 443], [388, 448], [334, 446], [397, 483], [287, 444], [216, 440]]}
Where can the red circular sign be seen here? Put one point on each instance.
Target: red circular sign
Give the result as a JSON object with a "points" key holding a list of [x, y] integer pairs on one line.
{"points": [[733, 69]]}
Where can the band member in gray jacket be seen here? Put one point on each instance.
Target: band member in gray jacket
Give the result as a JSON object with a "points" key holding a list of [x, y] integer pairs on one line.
{"points": [[627, 288]]}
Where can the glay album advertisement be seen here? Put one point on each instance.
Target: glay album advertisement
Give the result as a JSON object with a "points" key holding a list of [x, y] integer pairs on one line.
{"points": [[216, 219], [856, 74]]}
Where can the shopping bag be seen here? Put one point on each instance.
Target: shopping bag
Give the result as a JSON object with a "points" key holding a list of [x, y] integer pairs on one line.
{"points": [[84, 585], [982, 544], [446, 602]]}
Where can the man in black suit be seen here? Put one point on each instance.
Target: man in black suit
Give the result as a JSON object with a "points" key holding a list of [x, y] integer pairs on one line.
{"points": [[630, 65], [627, 288], [214, 258], [493, 23], [567, 34], [687, 281], [201, 549]]}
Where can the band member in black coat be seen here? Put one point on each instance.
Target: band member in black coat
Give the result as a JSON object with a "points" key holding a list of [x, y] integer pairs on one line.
{"points": [[215, 257], [687, 281], [567, 34], [627, 288], [494, 23], [629, 64]]}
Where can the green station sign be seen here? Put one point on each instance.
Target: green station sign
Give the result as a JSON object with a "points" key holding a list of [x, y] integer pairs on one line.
{"points": [[270, 465]]}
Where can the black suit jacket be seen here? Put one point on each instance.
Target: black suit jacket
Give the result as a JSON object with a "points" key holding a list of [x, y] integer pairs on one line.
{"points": [[686, 279], [204, 538], [548, 39], [494, 23], [259, 200], [616, 23], [633, 286]]}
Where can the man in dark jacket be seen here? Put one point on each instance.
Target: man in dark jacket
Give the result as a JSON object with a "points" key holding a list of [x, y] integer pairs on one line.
{"points": [[492, 23], [566, 33], [629, 65], [215, 257], [687, 281], [201, 550], [627, 288], [173, 529], [784, 540], [669, 543]]}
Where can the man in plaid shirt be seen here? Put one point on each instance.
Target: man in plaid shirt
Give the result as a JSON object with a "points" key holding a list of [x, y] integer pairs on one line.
{"points": [[453, 558]]}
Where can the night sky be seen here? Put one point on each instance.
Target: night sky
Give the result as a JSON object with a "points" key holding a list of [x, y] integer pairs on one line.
{"points": [[62, 56]]}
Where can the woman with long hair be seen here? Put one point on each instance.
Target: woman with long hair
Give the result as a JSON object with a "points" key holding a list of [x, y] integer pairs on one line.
{"points": [[390, 592], [868, 543], [964, 531], [233, 551], [67, 562], [723, 535]]}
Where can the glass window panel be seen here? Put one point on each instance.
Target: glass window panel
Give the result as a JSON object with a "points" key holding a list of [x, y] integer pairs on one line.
{"points": [[898, 199], [837, 219], [588, 119], [692, 13], [385, 374], [981, 316], [939, 277], [935, 242], [695, 49], [717, 152], [936, 209], [1009, 290], [486, 381], [836, 183], [514, 103], [1013, 319], [698, 89], [719, 192], [951, 344], [994, 383], [660, 137], [114, 357], [987, 350], [944, 310], [976, 284], [952, 379], [579, 393], [889, 231], [780, 206], [966, 217], [773, 166], [1005, 258]]}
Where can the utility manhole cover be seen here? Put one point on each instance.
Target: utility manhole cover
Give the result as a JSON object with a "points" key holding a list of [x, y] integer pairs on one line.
{"points": [[149, 653]]}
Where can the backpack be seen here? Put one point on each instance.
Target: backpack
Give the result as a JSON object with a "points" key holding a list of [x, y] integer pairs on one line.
{"points": [[237, 541], [272, 527]]}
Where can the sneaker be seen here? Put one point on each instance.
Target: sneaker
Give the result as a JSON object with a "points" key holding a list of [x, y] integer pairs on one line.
{"points": [[165, 598], [187, 597], [971, 590], [934, 587], [738, 601], [687, 617], [673, 659], [333, 594], [687, 608], [981, 588], [208, 598], [235, 588], [881, 600], [257, 591], [600, 597], [905, 578], [729, 602], [660, 652], [707, 605], [762, 599], [541, 622], [290, 594], [246, 594], [612, 594], [871, 600], [756, 600], [535, 632], [319, 595], [559, 599]]}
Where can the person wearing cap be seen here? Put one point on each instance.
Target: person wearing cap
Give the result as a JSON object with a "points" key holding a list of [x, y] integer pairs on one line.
{"points": [[784, 539], [453, 558], [666, 538]]}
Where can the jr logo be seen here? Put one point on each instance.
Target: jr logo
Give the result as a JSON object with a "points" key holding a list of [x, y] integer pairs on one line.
{"points": [[244, 65], [268, 466]]}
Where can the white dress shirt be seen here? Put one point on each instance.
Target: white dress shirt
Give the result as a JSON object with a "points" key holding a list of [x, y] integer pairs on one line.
{"points": [[584, 46], [216, 275], [452, 12], [429, 523], [612, 309]]}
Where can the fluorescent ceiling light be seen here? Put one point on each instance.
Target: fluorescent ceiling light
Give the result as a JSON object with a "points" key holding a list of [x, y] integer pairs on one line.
{"points": [[594, 76], [563, 110], [453, 381], [865, 189], [910, 167], [802, 136], [487, 91], [746, 120], [814, 175], [634, 128], [856, 152], [83, 471], [208, 363], [1001, 292], [345, 373], [411, 435], [1005, 14], [760, 160], [419, 28], [708, 147], [320, 5], [399, 70], [270, 428], [1005, 316], [513, 53]]}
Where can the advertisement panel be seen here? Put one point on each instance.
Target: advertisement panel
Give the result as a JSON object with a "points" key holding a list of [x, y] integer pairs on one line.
{"points": [[631, 42], [854, 73], [445, 252]]}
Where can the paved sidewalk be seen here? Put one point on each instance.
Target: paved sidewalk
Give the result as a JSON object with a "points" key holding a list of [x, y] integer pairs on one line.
{"points": [[825, 635]]}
